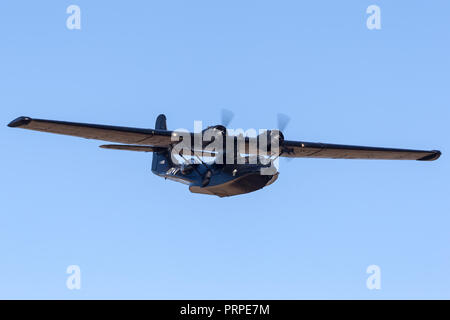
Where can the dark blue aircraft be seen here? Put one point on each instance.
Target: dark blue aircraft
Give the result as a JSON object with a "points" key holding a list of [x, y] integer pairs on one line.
{"points": [[243, 174]]}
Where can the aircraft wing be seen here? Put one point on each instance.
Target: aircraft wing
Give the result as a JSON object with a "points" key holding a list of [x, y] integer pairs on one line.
{"points": [[299, 149], [136, 136]]}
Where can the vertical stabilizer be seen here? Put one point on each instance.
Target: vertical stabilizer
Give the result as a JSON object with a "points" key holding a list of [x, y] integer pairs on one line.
{"points": [[161, 158], [161, 122]]}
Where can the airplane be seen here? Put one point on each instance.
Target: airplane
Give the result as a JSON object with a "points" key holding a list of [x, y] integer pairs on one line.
{"points": [[243, 174]]}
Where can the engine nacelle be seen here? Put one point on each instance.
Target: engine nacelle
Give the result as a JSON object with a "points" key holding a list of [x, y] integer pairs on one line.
{"points": [[219, 129], [270, 138], [211, 133]]}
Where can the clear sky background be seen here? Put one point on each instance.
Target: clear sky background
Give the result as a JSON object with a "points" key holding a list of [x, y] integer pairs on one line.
{"points": [[312, 234]]}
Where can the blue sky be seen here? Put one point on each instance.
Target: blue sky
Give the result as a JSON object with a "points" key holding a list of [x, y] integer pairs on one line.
{"points": [[312, 234]]}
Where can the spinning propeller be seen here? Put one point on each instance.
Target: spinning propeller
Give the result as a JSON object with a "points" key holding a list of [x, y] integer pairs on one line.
{"points": [[282, 121], [226, 117]]}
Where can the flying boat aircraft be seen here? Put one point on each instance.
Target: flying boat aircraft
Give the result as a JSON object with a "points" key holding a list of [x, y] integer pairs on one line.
{"points": [[250, 156]]}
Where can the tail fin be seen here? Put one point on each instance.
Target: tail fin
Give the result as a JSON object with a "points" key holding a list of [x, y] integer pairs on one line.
{"points": [[160, 158], [161, 122]]}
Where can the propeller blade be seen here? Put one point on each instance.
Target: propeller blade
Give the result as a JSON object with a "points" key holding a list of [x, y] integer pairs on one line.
{"points": [[282, 121], [226, 116]]}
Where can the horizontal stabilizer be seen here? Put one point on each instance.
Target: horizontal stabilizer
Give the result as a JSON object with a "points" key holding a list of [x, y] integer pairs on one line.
{"points": [[152, 149], [131, 147]]}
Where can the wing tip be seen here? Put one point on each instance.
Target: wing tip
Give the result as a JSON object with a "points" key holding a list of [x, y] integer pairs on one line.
{"points": [[19, 122], [435, 154]]}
